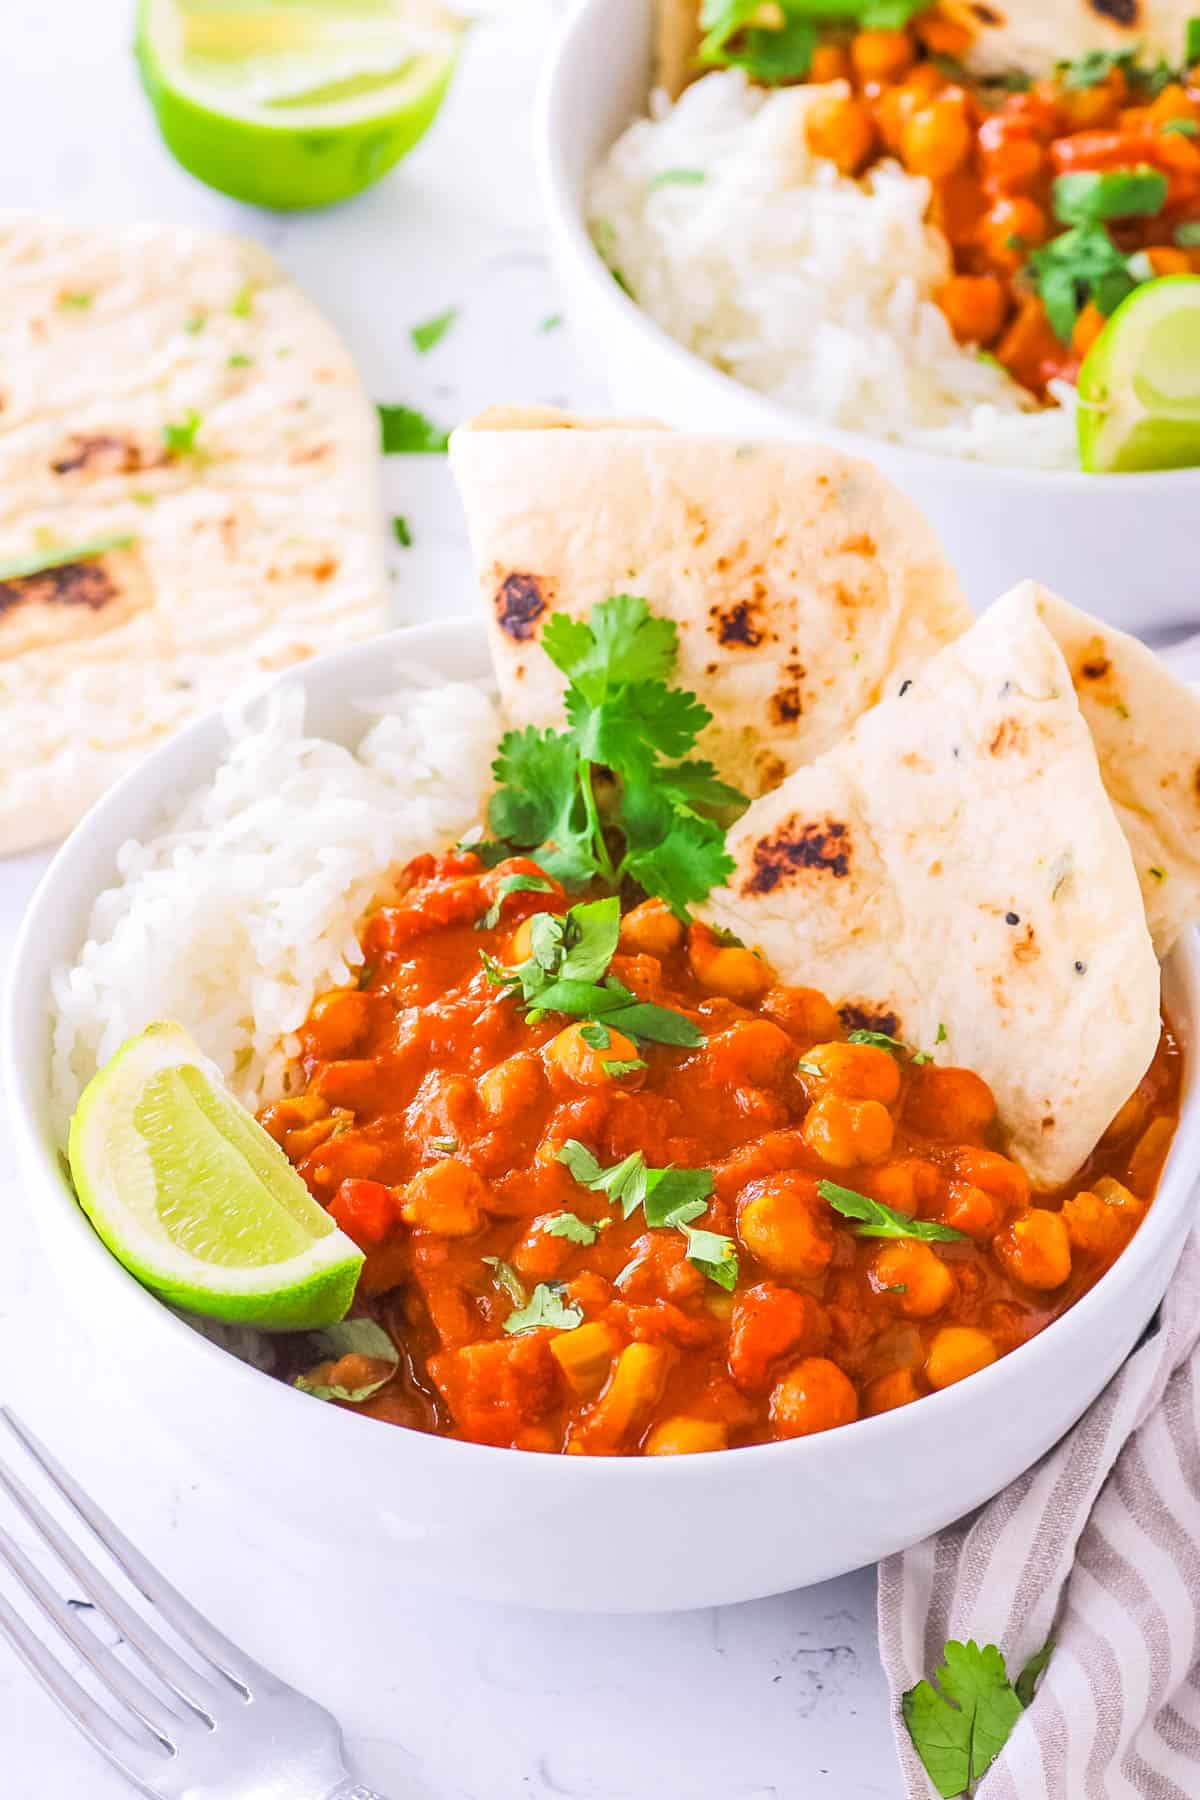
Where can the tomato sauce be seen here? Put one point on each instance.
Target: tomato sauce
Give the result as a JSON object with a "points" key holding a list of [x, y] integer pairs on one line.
{"points": [[431, 1115]]}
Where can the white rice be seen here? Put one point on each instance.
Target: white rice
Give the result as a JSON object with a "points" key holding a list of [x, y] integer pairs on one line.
{"points": [[812, 287], [243, 909]]}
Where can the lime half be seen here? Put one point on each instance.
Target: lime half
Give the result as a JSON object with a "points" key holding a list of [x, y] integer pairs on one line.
{"points": [[1139, 387], [192, 1196], [294, 103]]}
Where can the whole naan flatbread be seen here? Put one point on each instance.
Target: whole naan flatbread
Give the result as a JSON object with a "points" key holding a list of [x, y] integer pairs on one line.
{"points": [[953, 872], [172, 389], [800, 579]]}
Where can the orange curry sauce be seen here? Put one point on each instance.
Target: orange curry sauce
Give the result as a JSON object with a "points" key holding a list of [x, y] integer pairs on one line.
{"points": [[430, 1121]]}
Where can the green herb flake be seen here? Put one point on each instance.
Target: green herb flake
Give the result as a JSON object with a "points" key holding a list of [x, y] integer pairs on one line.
{"points": [[195, 325], [879, 1040], [1187, 235], [239, 360], [1093, 67], [353, 1337], [1191, 42], [242, 304], [426, 336], [596, 1037], [401, 532], [141, 497], [877, 1220], [1090, 195], [669, 1197], [1179, 128], [443, 1146], [551, 322], [509, 1280], [960, 1727], [941, 1035], [621, 1066], [714, 1255], [570, 1226], [18, 568], [811, 1068], [405, 432], [75, 302], [546, 1308], [180, 436], [513, 884], [676, 178]]}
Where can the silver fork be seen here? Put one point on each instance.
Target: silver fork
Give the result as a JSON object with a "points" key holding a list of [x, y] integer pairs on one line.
{"points": [[229, 1730]]}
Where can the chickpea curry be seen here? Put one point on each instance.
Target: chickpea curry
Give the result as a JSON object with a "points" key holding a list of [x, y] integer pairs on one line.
{"points": [[1057, 196], [622, 1192]]}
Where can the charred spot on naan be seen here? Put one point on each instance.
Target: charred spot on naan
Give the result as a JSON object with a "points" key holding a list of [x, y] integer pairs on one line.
{"points": [[519, 603], [98, 453], [856, 1016], [741, 625], [73, 601], [820, 846], [1117, 12]]}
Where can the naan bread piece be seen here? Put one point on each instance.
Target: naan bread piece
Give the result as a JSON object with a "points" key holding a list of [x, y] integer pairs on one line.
{"points": [[953, 870], [1029, 36], [1145, 724], [676, 40], [800, 580], [172, 394]]}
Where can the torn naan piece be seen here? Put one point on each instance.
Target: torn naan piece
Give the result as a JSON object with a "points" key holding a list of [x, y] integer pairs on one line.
{"points": [[954, 873], [800, 579], [1145, 724], [676, 40]]}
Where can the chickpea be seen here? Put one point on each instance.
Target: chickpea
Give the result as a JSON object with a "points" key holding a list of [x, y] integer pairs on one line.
{"points": [[783, 1222], [976, 307], [910, 1185], [936, 139], [1009, 227], [957, 1351], [573, 1057], [1171, 102], [881, 55], [841, 128], [448, 1198], [767, 1323], [512, 1086], [845, 1132], [897, 1388], [801, 1010], [971, 1209], [285, 1116], [1036, 1249], [337, 1021], [915, 1276], [813, 1395], [651, 929], [1099, 1222], [752, 1050], [684, 1437], [855, 1071], [1013, 163], [948, 1103], [997, 1175], [829, 63], [727, 969]]}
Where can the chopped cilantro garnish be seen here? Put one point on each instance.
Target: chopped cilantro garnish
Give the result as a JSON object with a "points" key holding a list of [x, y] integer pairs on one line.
{"points": [[669, 1198], [508, 1279], [776, 43], [551, 322], [1191, 42], [623, 717], [879, 1040], [1187, 235], [714, 1255], [18, 567], [180, 437], [195, 324], [546, 1308], [1179, 128], [811, 1068], [353, 1337], [1090, 195], [570, 1226], [239, 360], [960, 1727], [676, 178], [596, 1037], [512, 884], [1080, 264], [431, 333], [242, 304], [75, 302], [1094, 66], [620, 1066], [404, 432], [877, 1220], [401, 532], [941, 1035]]}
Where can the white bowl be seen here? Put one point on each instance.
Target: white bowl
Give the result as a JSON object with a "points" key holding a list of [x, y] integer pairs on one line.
{"points": [[1120, 545], [556, 1531]]}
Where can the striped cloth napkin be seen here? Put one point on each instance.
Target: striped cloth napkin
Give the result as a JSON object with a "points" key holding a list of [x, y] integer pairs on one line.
{"points": [[1097, 1546]]}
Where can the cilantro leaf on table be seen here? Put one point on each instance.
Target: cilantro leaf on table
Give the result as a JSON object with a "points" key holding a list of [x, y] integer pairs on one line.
{"points": [[608, 798], [546, 1307], [405, 432], [877, 1220], [427, 336], [960, 1727]]}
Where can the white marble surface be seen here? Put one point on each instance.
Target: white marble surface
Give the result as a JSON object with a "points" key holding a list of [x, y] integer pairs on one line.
{"points": [[441, 1700]]}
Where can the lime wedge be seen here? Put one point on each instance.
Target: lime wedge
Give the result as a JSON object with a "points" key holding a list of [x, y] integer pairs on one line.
{"points": [[1139, 386], [294, 103], [192, 1196]]}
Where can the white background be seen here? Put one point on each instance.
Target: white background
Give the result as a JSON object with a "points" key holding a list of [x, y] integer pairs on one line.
{"points": [[441, 1700]]}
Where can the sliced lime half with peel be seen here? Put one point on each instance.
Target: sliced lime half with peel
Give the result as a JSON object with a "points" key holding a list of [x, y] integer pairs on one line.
{"points": [[294, 103], [192, 1196], [1139, 386]]}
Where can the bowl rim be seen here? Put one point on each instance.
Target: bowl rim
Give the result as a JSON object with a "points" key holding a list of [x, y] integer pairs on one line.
{"points": [[552, 126], [70, 883]]}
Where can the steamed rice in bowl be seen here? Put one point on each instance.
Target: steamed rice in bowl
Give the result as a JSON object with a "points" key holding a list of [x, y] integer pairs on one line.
{"points": [[815, 288]]}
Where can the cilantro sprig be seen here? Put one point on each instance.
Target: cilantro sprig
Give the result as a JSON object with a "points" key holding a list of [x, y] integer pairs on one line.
{"points": [[616, 796], [959, 1728], [737, 36], [1083, 263], [669, 1199], [546, 1307], [877, 1220], [566, 972]]}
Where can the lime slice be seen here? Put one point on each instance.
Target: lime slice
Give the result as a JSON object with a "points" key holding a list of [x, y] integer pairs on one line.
{"points": [[192, 1196], [1139, 387], [294, 103]]}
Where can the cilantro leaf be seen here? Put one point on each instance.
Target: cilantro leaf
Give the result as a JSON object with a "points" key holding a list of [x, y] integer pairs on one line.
{"points": [[1090, 195], [180, 437], [714, 1255], [879, 1040], [619, 1066], [878, 1220], [623, 641], [426, 336], [546, 1308], [353, 1337], [405, 432], [669, 1198], [676, 1196], [692, 784], [1080, 264], [508, 1279], [677, 855], [75, 301], [590, 939], [401, 531], [1191, 42], [537, 800], [512, 884], [1093, 67], [1030, 1675], [570, 1226], [676, 178], [959, 1732]]}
